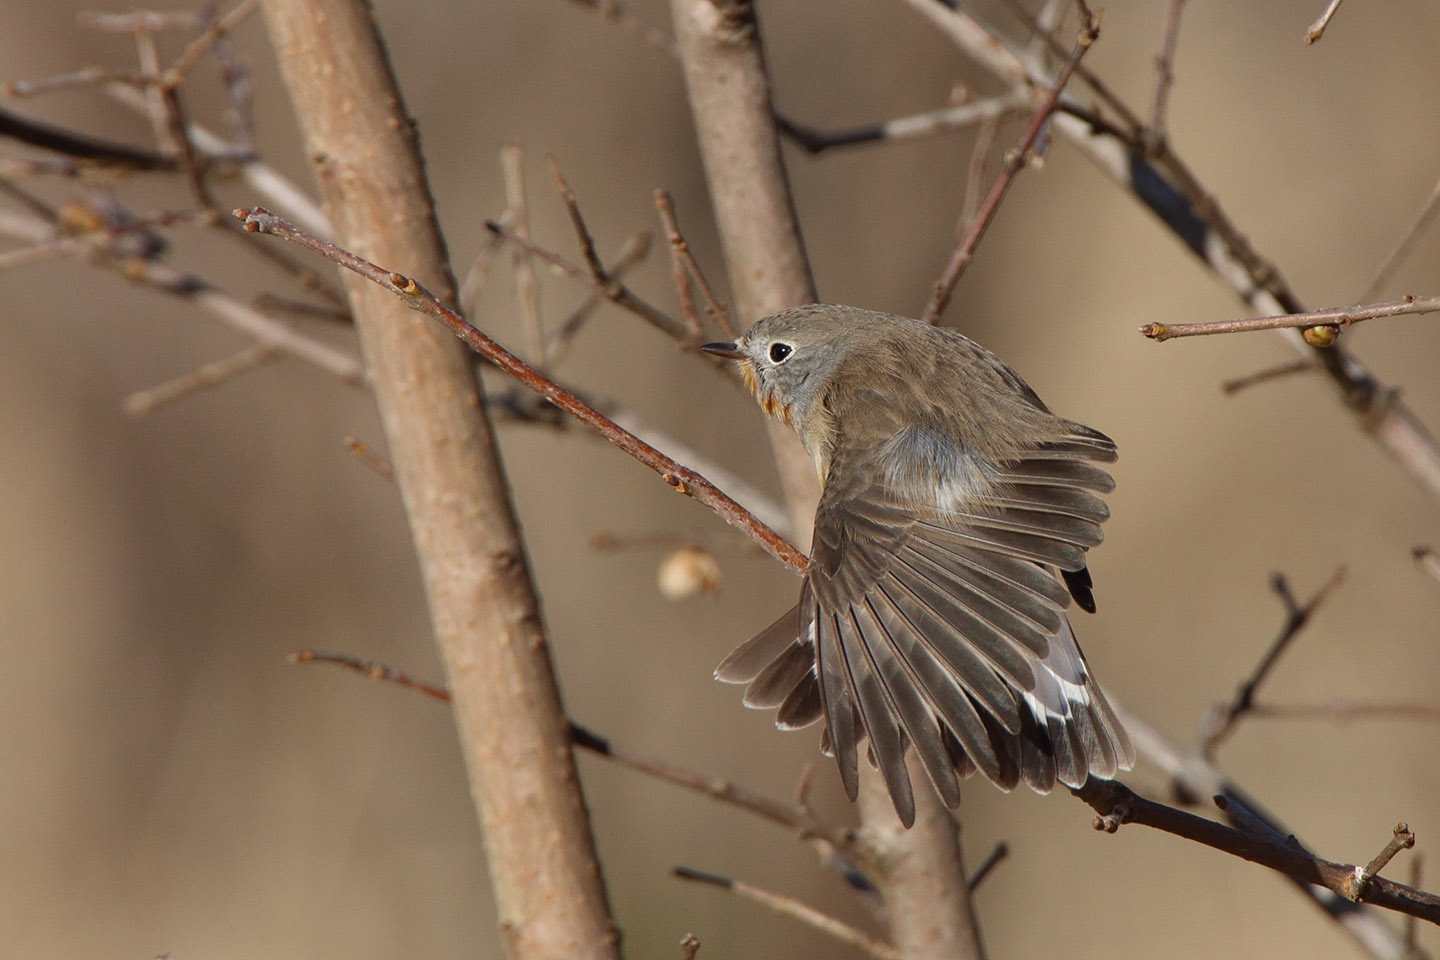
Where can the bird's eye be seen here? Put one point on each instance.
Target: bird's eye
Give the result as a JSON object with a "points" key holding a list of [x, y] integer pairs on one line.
{"points": [[779, 351]]}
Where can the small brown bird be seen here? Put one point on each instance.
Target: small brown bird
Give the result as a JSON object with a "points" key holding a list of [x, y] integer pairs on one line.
{"points": [[949, 540]]}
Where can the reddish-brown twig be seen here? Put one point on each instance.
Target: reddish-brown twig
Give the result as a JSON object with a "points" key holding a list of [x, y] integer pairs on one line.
{"points": [[680, 477], [1014, 160]]}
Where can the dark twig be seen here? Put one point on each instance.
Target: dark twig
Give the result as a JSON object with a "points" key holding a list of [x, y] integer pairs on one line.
{"points": [[794, 909], [1428, 560], [1401, 839], [1219, 724], [993, 860], [1116, 804], [1334, 317], [1164, 69], [1014, 160], [680, 477], [1317, 29], [957, 117], [1236, 384], [1417, 866]]}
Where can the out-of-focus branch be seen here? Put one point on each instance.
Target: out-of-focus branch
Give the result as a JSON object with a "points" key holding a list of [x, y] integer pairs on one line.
{"points": [[545, 873]]}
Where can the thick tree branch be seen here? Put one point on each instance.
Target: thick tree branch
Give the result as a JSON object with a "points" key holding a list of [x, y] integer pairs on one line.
{"points": [[513, 732]]}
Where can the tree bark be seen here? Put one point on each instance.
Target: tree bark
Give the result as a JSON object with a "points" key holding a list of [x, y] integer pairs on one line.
{"points": [[544, 872]]}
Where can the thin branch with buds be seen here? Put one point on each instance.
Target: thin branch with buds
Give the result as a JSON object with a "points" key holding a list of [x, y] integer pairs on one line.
{"points": [[1331, 317], [682, 478], [1116, 804]]}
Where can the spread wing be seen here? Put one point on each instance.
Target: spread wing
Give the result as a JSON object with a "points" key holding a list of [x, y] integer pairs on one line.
{"points": [[946, 630]]}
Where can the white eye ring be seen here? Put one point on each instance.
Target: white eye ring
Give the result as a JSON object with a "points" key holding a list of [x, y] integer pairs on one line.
{"points": [[780, 352]]}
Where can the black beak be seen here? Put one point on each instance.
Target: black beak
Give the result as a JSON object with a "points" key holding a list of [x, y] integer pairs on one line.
{"points": [[724, 348]]}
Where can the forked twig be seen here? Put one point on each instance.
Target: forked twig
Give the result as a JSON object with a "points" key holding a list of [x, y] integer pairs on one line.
{"points": [[682, 478], [945, 286]]}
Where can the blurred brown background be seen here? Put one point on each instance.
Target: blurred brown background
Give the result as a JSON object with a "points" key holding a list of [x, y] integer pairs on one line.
{"points": [[170, 784]]}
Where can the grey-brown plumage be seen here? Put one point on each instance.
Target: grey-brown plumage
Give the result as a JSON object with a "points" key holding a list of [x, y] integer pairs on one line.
{"points": [[949, 540]]}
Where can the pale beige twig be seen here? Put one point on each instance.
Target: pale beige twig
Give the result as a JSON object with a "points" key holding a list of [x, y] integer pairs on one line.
{"points": [[1317, 29], [796, 910], [527, 288], [144, 402], [1402, 250]]}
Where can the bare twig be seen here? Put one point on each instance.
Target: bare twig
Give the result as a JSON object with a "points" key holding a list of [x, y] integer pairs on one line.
{"points": [[577, 221], [213, 34], [791, 816], [1317, 29], [1236, 384], [635, 250], [1332, 317], [979, 164], [1402, 249], [684, 270], [1164, 68], [993, 860], [965, 251], [1346, 710], [1116, 804], [1219, 723], [374, 670], [795, 910], [1428, 560], [517, 216], [614, 291], [680, 477], [366, 455], [144, 402], [689, 946], [1402, 839], [989, 110]]}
